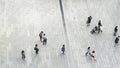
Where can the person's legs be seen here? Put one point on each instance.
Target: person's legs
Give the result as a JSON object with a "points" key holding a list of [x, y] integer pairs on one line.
{"points": [[115, 45], [86, 53], [115, 33], [43, 42], [40, 38], [23, 56], [36, 52], [63, 52]]}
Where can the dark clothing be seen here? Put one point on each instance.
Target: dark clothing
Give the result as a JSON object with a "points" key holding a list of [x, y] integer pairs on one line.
{"points": [[36, 50], [86, 53], [116, 40], [44, 41], [93, 31], [89, 20], [63, 49], [96, 28], [115, 30], [99, 30], [99, 24], [91, 55], [115, 33], [23, 55]]}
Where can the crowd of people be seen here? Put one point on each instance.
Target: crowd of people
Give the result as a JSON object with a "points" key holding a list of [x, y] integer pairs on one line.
{"points": [[97, 29], [43, 40]]}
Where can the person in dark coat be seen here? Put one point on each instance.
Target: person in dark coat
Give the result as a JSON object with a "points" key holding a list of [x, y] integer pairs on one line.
{"points": [[63, 49], [23, 54], [116, 41], [36, 49], [89, 20], [99, 23], [115, 30]]}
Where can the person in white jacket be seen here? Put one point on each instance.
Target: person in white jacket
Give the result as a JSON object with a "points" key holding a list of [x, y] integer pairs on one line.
{"points": [[44, 40]]}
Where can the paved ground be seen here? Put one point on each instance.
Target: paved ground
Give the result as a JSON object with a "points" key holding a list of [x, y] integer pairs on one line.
{"points": [[22, 20]]}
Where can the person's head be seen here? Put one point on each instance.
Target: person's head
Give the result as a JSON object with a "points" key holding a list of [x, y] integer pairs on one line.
{"points": [[22, 51], [63, 45], [116, 27], [44, 34], [41, 31], [88, 47], [99, 21], [36, 45], [93, 51]]}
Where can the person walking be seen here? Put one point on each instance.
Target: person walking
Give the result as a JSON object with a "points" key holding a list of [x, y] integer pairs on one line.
{"points": [[89, 20], [23, 54], [36, 49], [115, 30], [40, 35], [116, 41], [63, 49], [88, 51], [44, 40]]}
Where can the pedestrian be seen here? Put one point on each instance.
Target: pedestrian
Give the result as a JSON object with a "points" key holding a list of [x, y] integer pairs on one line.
{"points": [[115, 30], [36, 49], [23, 54], [89, 20], [94, 30], [44, 40], [92, 55], [116, 41], [63, 49], [99, 23], [40, 35], [88, 51]]}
